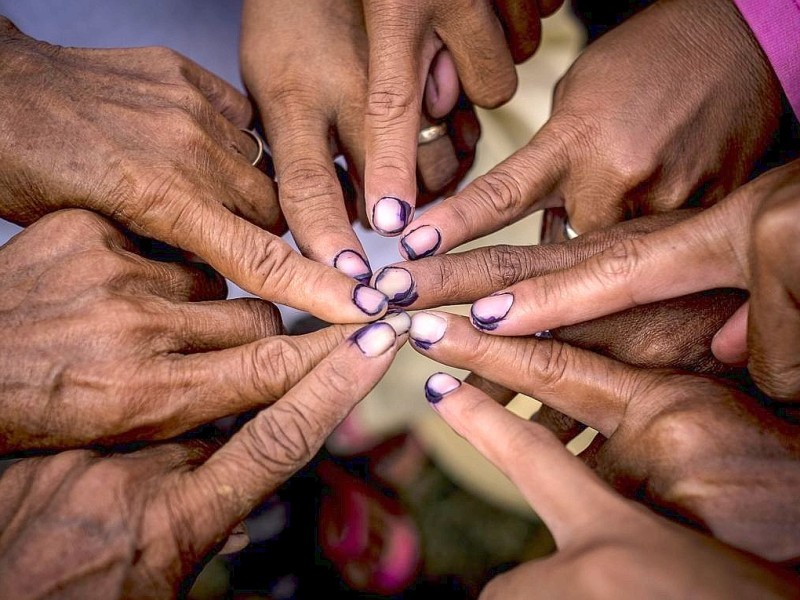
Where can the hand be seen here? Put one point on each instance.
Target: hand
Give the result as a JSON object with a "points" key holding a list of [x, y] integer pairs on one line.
{"points": [[673, 107], [747, 241], [136, 525], [607, 547], [312, 99], [101, 345], [688, 444], [406, 38], [150, 139], [676, 333]]}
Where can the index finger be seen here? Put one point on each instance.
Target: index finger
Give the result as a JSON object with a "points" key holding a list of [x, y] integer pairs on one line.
{"points": [[568, 497], [285, 436]]}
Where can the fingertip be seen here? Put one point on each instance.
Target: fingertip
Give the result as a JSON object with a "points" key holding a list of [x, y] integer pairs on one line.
{"points": [[440, 385], [398, 285], [442, 87], [487, 314], [375, 339], [390, 215], [427, 329], [420, 242], [370, 301], [353, 264]]}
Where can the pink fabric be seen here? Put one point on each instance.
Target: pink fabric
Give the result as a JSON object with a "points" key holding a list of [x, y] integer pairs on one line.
{"points": [[776, 25]]}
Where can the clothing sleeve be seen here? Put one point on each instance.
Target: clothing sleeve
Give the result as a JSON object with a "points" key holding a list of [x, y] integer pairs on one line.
{"points": [[776, 26]]}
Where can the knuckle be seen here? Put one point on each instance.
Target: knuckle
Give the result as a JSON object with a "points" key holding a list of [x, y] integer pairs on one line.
{"points": [[775, 232], [619, 262], [391, 98], [308, 181], [549, 359], [501, 193], [276, 364], [269, 263], [281, 440], [505, 265]]}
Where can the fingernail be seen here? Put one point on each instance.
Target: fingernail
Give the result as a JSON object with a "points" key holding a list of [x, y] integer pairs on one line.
{"points": [[439, 385], [400, 321], [374, 339], [397, 285], [391, 215], [431, 90], [427, 329], [351, 263], [543, 335], [369, 300], [421, 242], [487, 313]]}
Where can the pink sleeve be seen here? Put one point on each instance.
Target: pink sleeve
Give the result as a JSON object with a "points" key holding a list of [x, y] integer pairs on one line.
{"points": [[776, 25]]}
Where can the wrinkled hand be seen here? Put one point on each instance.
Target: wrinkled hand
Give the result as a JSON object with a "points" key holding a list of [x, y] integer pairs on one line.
{"points": [[686, 443], [608, 547], [747, 241], [135, 525], [406, 38], [152, 140], [101, 345], [312, 99], [673, 106]]}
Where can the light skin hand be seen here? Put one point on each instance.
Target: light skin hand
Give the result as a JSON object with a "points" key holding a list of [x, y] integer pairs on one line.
{"points": [[136, 525], [745, 242], [312, 99], [674, 106], [688, 444], [152, 140], [608, 547], [105, 346], [405, 37]]}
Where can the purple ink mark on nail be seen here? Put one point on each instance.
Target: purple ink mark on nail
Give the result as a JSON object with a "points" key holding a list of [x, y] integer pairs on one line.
{"points": [[374, 339], [370, 301], [421, 242], [487, 313], [351, 263], [391, 215], [397, 285], [440, 385]]}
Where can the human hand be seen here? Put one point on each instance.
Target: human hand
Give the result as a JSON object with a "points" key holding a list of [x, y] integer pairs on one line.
{"points": [[746, 242], [406, 37], [101, 345], [673, 107], [136, 525], [608, 547], [152, 140], [687, 444], [312, 98]]}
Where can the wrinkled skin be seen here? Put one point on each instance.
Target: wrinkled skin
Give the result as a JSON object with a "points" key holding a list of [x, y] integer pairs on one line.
{"points": [[312, 99], [483, 40], [608, 547], [136, 525], [102, 345], [150, 139], [673, 107]]}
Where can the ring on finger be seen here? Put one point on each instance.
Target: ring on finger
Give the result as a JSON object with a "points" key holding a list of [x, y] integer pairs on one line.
{"points": [[259, 146], [431, 133], [569, 232]]}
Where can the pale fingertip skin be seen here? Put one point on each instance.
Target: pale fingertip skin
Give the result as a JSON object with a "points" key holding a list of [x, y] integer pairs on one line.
{"points": [[352, 264], [487, 313], [399, 320], [398, 285], [440, 385], [375, 339], [421, 242], [391, 215], [427, 328]]}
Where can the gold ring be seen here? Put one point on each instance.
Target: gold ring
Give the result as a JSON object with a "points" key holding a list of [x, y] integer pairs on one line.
{"points": [[432, 133], [259, 144]]}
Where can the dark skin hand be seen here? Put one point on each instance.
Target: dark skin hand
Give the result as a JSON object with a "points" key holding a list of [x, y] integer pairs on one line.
{"points": [[312, 99], [483, 40], [692, 445], [747, 241], [137, 525], [674, 106], [150, 139], [102, 345], [608, 547]]}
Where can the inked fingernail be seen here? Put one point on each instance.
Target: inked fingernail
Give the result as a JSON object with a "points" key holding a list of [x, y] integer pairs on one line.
{"points": [[391, 215], [421, 242], [400, 321], [374, 339], [543, 335], [487, 313], [351, 263], [369, 300], [427, 329], [397, 284], [439, 385]]}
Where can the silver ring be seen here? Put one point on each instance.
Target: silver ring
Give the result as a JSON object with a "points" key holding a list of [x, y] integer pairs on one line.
{"points": [[431, 133], [259, 144], [569, 232]]}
